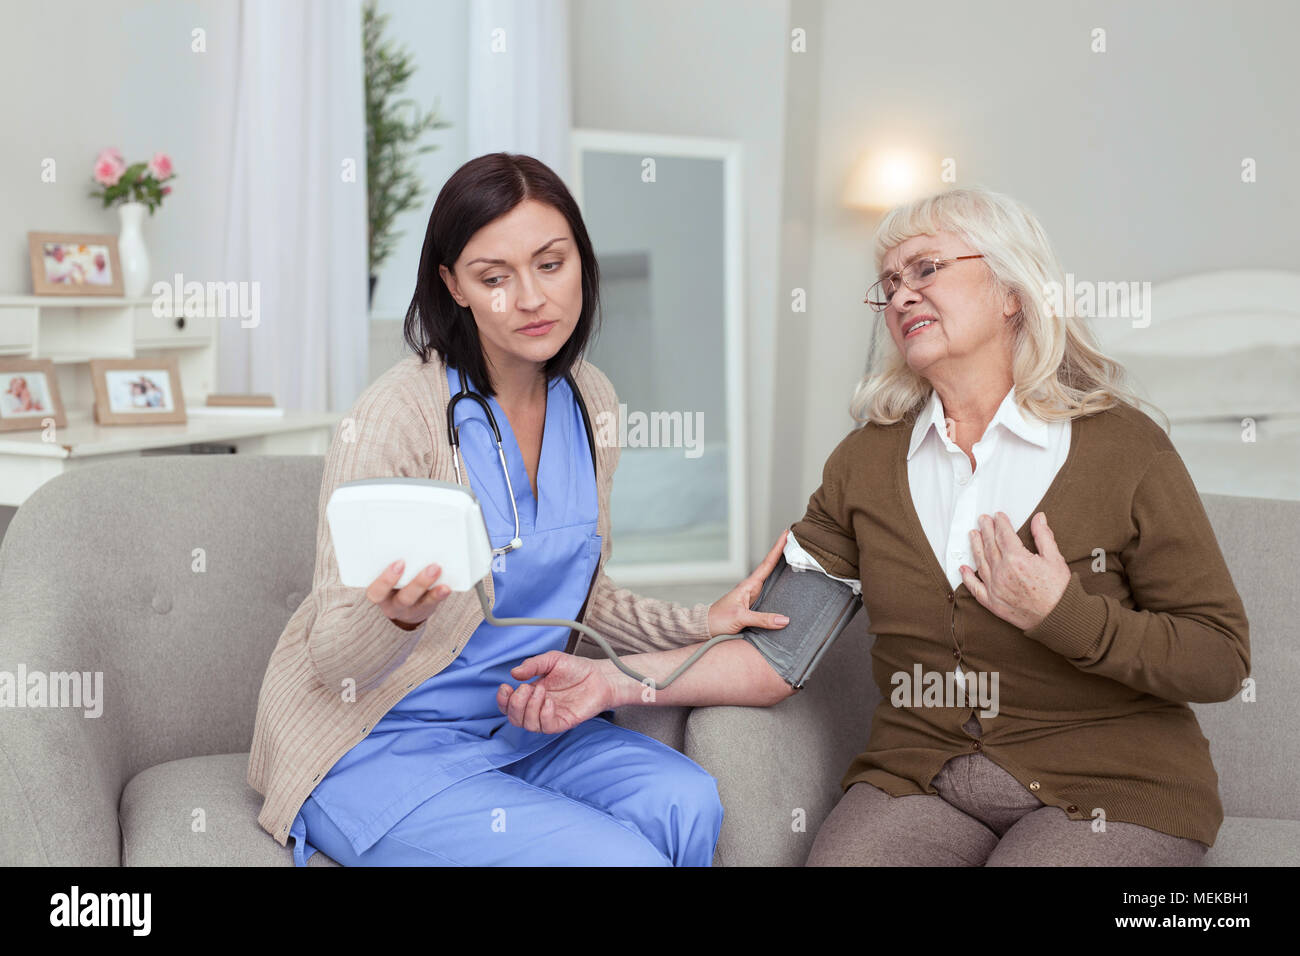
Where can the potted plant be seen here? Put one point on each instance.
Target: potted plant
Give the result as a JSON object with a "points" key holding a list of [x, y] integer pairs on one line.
{"points": [[391, 183]]}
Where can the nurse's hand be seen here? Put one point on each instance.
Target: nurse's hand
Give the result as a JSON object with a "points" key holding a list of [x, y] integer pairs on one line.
{"points": [[568, 690], [407, 607], [731, 614]]}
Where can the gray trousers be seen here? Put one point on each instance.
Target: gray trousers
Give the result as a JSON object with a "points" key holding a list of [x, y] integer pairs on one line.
{"points": [[982, 816]]}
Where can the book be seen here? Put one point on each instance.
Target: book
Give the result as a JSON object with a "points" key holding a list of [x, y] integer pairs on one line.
{"points": [[259, 399], [214, 411]]}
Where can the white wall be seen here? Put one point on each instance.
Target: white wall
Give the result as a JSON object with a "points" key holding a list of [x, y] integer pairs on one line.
{"points": [[1131, 158], [81, 75], [803, 109], [96, 73], [713, 69], [434, 32]]}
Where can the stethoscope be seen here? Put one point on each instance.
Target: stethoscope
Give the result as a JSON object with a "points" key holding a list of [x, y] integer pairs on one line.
{"points": [[453, 433]]}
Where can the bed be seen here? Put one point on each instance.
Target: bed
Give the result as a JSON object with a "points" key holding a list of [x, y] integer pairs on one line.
{"points": [[1221, 357]]}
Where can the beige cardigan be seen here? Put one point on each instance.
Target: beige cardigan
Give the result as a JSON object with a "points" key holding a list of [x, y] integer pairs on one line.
{"points": [[337, 639]]}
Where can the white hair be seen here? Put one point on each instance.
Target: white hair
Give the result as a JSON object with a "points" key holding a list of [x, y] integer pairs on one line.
{"points": [[1057, 366]]}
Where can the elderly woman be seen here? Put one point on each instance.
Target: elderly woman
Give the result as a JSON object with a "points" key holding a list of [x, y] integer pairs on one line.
{"points": [[1017, 526]]}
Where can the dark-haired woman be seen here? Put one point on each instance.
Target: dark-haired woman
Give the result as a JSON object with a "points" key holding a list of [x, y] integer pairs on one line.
{"points": [[379, 738]]}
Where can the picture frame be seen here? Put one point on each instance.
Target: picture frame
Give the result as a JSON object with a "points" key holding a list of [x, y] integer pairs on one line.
{"points": [[73, 263], [29, 395], [138, 391]]}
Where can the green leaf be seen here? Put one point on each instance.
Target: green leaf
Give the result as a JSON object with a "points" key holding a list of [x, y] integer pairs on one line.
{"points": [[394, 125]]}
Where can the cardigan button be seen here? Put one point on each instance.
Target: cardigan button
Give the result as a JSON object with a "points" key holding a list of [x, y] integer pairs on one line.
{"points": [[956, 655], [1033, 785], [977, 746], [1072, 809], [951, 596]]}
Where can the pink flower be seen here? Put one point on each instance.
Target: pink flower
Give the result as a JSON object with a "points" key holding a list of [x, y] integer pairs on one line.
{"points": [[166, 190], [160, 166], [109, 167]]}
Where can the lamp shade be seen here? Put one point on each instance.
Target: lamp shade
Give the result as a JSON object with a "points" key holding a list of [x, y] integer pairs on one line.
{"points": [[882, 179]]}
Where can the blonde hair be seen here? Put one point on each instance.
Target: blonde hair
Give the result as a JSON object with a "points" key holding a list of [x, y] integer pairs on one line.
{"points": [[1059, 370]]}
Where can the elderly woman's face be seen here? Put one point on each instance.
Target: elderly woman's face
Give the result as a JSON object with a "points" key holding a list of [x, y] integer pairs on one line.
{"points": [[521, 276], [969, 317]]}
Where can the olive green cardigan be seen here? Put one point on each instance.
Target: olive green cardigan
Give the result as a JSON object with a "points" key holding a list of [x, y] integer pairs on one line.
{"points": [[1093, 700]]}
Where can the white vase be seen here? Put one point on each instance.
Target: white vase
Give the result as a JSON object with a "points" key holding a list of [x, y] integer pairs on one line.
{"points": [[131, 250]]}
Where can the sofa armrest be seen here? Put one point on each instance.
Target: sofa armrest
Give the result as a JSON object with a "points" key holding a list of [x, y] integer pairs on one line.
{"points": [[779, 768], [61, 771]]}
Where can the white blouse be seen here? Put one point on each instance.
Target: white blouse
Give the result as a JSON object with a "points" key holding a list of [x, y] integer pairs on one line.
{"points": [[1015, 465]]}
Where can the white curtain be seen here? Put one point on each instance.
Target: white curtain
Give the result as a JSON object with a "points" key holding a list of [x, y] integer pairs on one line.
{"points": [[297, 215], [518, 87]]}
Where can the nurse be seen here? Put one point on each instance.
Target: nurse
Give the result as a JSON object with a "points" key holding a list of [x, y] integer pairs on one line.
{"points": [[444, 778]]}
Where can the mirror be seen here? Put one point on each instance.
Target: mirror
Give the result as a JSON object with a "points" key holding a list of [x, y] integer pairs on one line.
{"points": [[663, 214]]}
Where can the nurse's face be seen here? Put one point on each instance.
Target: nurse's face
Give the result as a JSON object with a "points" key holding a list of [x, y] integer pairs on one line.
{"points": [[521, 276]]}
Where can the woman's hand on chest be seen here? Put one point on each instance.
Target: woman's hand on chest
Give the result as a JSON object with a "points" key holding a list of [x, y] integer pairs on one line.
{"points": [[1018, 586]]}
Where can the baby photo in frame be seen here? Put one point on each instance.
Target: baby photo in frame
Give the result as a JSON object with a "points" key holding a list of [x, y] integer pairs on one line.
{"points": [[29, 395], [69, 263], [138, 391]]}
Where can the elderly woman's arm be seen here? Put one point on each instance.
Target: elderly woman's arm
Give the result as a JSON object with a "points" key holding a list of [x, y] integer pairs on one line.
{"points": [[569, 689], [1186, 638], [735, 672]]}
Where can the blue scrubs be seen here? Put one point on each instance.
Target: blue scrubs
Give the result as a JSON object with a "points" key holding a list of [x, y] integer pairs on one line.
{"points": [[444, 778]]}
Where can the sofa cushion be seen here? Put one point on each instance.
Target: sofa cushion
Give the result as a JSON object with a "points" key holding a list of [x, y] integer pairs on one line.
{"points": [[1255, 841], [1254, 744], [665, 724], [162, 825], [779, 768], [160, 818]]}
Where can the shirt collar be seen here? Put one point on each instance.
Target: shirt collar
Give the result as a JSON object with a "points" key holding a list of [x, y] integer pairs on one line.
{"points": [[1029, 427]]}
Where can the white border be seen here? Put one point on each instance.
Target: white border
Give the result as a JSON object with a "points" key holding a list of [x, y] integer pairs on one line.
{"points": [[733, 568]]}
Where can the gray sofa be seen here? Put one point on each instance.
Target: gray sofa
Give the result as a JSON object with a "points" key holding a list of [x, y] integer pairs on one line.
{"points": [[98, 573]]}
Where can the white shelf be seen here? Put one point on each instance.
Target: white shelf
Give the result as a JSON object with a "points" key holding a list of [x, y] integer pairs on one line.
{"points": [[84, 438], [74, 358], [75, 301], [72, 330]]}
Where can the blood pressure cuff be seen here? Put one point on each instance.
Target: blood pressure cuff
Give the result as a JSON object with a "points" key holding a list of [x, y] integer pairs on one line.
{"points": [[819, 608]]}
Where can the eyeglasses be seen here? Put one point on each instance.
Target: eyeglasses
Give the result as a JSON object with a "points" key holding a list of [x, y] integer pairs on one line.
{"points": [[916, 275]]}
